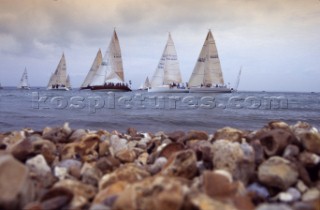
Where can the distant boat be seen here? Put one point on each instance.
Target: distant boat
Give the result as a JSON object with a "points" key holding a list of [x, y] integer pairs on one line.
{"points": [[24, 84], [95, 66], [58, 80], [145, 85], [207, 74], [110, 74], [167, 76]]}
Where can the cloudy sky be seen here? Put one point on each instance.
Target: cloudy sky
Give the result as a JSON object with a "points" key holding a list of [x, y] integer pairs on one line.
{"points": [[277, 42]]}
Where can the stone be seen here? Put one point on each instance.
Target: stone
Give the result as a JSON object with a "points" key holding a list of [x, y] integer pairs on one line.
{"points": [[311, 141], [110, 193], [126, 155], [157, 166], [277, 172], [273, 207], [57, 135], [77, 135], [228, 133], [46, 148], [15, 186], [258, 151], [278, 125], [301, 186], [218, 184], [56, 198], [182, 164], [258, 192], [275, 141], [128, 172], [90, 174], [309, 159], [311, 194], [38, 165], [155, 193], [117, 144], [107, 164], [291, 151], [22, 150], [203, 202]]}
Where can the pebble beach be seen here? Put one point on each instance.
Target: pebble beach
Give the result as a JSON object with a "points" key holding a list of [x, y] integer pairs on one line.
{"points": [[276, 167]]}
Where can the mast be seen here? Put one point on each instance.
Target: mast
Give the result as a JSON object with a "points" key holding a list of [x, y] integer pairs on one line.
{"points": [[168, 70], [238, 79], [111, 68], [95, 66], [207, 70]]}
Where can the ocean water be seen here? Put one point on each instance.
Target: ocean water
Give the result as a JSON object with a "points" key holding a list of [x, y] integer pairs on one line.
{"points": [[38, 108]]}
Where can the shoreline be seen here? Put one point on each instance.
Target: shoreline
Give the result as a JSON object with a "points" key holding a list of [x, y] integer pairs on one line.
{"points": [[274, 167]]}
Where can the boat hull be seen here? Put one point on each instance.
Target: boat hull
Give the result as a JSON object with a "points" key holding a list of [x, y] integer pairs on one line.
{"points": [[59, 88], [167, 90], [111, 89], [210, 90], [24, 88]]}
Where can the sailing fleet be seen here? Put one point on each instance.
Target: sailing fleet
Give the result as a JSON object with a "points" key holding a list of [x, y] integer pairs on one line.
{"points": [[107, 72]]}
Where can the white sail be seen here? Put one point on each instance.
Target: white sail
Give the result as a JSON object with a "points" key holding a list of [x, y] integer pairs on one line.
{"points": [[111, 68], [168, 70], [146, 83], [59, 77], [24, 80], [207, 71], [95, 66]]}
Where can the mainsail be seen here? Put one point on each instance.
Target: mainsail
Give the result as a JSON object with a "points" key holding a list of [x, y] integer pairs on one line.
{"points": [[207, 71], [168, 70], [146, 84], [95, 66], [59, 77], [111, 68], [24, 80]]}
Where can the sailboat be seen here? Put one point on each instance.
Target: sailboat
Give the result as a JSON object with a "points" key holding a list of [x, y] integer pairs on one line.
{"points": [[24, 84], [58, 80], [145, 85], [110, 75], [95, 66], [207, 74], [167, 77]]}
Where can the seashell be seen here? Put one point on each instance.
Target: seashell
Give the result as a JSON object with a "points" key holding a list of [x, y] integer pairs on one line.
{"points": [[182, 164], [310, 141], [16, 188], [58, 135], [128, 172], [278, 172], [169, 149], [275, 141], [194, 135], [228, 133]]}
